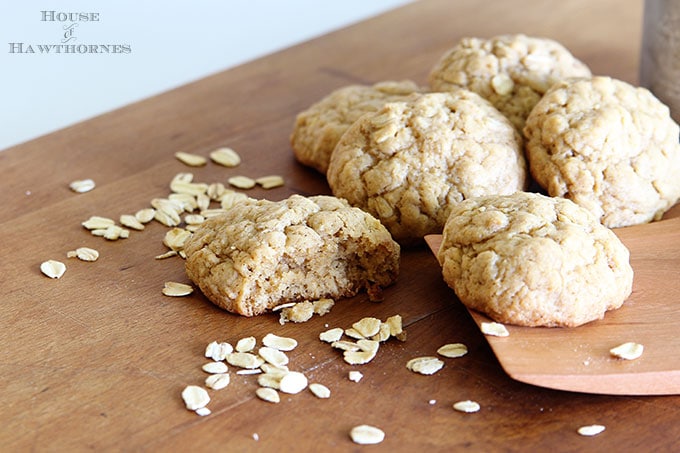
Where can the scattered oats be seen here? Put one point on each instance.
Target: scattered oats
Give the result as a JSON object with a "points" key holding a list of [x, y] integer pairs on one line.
{"points": [[185, 202], [256, 437], [280, 343], [453, 350], [188, 188], [268, 394], [194, 219], [215, 367], [195, 397], [293, 382], [300, 312], [192, 160], [249, 372], [203, 411], [82, 186], [279, 371], [494, 329], [214, 351], [100, 232], [353, 333], [183, 177], [246, 344], [241, 182], [192, 228], [466, 406], [368, 345], [83, 254], [273, 356], [168, 206], [217, 381], [366, 435], [244, 360], [202, 201], [169, 219], [383, 333], [332, 335], [175, 238], [396, 327], [282, 306], [502, 84], [345, 345], [320, 390], [182, 254], [355, 376], [270, 380], [53, 268], [425, 365], [627, 351], [114, 232], [367, 327], [323, 306], [145, 215], [98, 223], [591, 430], [175, 289], [270, 182], [226, 157], [358, 357], [215, 191], [131, 221], [432, 402], [230, 198], [165, 255]]}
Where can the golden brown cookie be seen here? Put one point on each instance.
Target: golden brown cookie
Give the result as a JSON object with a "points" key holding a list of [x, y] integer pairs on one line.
{"points": [[262, 253], [510, 71], [318, 129], [409, 162], [610, 147], [533, 260]]}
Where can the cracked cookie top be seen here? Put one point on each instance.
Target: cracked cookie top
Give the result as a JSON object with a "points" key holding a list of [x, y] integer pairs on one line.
{"points": [[409, 162], [532, 260], [263, 253], [608, 146], [510, 71], [317, 129]]}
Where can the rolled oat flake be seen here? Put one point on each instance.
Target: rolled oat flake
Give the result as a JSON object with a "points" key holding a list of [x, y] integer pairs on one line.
{"points": [[366, 435]]}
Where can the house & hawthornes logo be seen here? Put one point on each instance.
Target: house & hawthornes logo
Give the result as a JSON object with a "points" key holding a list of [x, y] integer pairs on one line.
{"points": [[68, 36]]}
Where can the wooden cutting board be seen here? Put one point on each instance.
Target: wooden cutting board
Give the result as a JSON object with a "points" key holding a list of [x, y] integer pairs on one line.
{"points": [[578, 359]]}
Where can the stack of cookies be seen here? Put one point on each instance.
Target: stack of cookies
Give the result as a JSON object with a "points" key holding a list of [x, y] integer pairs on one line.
{"points": [[458, 156]]}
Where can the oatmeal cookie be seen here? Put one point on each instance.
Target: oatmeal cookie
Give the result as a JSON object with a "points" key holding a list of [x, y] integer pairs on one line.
{"points": [[262, 253], [318, 129], [409, 162], [510, 71], [532, 260], [610, 147]]}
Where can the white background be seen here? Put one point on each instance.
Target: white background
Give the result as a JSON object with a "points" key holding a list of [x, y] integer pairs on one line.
{"points": [[172, 42]]}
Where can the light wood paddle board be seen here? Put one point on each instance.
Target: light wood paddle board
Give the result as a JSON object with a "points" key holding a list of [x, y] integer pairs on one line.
{"points": [[578, 359]]}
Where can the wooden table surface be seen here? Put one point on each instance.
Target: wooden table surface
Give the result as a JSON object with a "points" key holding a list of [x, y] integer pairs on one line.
{"points": [[97, 359]]}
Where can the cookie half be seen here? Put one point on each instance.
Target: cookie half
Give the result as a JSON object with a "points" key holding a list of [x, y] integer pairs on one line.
{"points": [[262, 253], [532, 260], [317, 129], [410, 161], [609, 146], [510, 71]]}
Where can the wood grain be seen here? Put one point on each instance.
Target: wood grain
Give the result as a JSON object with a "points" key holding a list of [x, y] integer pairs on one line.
{"points": [[97, 359]]}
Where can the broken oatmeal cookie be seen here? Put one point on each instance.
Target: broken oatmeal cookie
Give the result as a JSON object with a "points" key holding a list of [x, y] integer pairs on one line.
{"points": [[261, 254]]}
